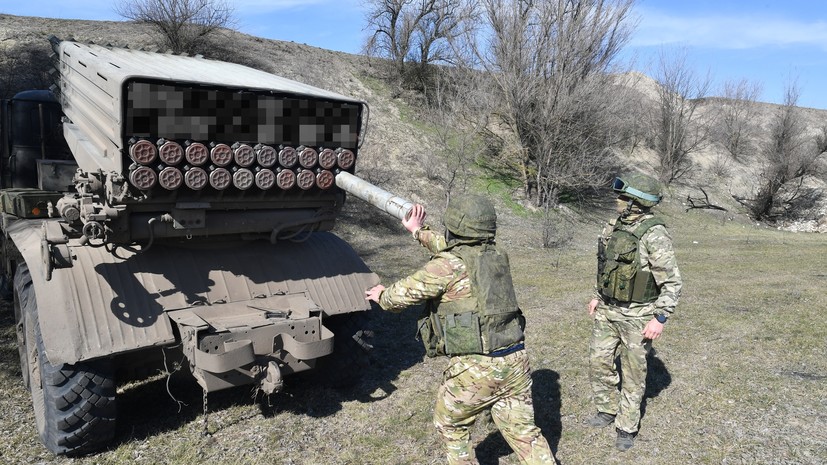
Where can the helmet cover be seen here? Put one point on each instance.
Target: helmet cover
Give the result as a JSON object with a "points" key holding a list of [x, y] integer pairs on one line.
{"points": [[642, 189], [471, 216]]}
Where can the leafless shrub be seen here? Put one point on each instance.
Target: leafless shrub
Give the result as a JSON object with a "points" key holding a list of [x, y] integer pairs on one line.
{"points": [[558, 232], [416, 32], [789, 157], [721, 166], [185, 26], [736, 129], [373, 171], [552, 100], [459, 134], [677, 129]]}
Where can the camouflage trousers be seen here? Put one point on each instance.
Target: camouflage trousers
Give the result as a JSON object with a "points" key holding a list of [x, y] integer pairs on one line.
{"points": [[475, 383], [621, 339]]}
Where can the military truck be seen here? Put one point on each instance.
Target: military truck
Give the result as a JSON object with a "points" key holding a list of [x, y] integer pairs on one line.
{"points": [[156, 203]]}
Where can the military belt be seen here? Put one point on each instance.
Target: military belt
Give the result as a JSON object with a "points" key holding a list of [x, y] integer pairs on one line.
{"points": [[507, 350], [614, 302]]}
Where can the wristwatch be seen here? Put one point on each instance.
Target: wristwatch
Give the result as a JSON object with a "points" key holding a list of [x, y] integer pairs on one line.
{"points": [[661, 318]]}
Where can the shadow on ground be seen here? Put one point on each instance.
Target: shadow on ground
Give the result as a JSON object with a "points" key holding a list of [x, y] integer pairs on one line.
{"points": [[657, 379]]}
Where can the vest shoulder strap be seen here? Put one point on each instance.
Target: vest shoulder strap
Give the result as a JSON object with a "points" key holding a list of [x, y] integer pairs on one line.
{"points": [[646, 225]]}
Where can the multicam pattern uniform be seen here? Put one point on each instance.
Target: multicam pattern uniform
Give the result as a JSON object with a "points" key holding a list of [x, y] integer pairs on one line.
{"points": [[617, 330], [471, 383]]}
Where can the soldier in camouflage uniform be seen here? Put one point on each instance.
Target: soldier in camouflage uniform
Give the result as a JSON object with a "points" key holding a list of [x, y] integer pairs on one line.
{"points": [[638, 286], [471, 316]]}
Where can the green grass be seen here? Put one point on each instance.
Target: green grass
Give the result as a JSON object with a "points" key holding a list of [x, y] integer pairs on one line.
{"points": [[376, 85]]}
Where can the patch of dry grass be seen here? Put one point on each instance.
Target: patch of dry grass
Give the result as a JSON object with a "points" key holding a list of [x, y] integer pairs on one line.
{"points": [[738, 378]]}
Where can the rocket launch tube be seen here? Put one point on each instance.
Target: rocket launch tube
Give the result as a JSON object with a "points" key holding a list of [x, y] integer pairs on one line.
{"points": [[376, 196]]}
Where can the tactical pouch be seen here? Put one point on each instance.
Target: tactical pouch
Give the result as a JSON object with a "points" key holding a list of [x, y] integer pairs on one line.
{"points": [[462, 334], [619, 273], [429, 334], [601, 260], [619, 282], [504, 329], [624, 247]]}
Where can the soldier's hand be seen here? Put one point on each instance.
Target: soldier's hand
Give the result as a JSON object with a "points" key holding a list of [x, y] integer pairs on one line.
{"points": [[653, 329], [415, 219], [593, 306], [374, 293]]}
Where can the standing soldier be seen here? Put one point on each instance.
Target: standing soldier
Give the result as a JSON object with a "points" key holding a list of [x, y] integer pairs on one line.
{"points": [[471, 315], [638, 285]]}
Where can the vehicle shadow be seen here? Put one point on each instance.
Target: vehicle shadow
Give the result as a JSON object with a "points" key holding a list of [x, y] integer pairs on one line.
{"points": [[9, 356], [177, 399], [394, 350]]}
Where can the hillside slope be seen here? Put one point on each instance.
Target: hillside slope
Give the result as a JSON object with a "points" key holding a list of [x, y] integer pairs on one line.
{"points": [[396, 148]]}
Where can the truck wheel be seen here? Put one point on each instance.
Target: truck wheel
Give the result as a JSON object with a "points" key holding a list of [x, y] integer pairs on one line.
{"points": [[20, 329], [350, 357], [74, 405]]}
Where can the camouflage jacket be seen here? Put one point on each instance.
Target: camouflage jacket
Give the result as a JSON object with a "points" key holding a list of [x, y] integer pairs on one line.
{"points": [[657, 256], [444, 277]]}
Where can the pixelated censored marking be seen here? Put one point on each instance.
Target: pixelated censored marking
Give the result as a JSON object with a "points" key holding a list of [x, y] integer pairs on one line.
{"points": [[177, 112]]}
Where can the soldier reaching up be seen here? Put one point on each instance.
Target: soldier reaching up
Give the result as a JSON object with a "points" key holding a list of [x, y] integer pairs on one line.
{"points": [[638, 286], [471, 315]]}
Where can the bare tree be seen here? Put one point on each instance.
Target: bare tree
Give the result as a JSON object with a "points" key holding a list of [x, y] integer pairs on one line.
{"points": [[736, 128], [458, 119], [552, 95], [184, 25], [678, 129], [438, 28], [790, 156], [415, 31], [392, 29]]}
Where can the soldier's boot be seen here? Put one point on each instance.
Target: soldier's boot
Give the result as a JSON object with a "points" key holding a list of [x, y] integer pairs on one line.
{"points": [[625, 440], [600, 420]]}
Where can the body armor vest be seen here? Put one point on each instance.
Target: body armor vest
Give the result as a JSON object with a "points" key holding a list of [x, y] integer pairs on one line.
{"points": [[619, 274], [490, 319]]}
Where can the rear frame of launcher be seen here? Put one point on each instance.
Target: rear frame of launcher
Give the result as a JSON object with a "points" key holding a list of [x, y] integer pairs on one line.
{"points": [[190, 213]]}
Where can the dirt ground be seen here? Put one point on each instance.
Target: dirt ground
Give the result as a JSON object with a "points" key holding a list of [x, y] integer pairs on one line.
{"points": [[739, 378]]}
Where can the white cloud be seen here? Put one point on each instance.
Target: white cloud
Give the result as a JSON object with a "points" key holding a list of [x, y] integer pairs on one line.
{"points": [[726, 32]]}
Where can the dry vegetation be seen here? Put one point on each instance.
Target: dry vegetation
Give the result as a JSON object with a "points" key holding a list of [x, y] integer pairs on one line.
{"points": [[740, 376]]}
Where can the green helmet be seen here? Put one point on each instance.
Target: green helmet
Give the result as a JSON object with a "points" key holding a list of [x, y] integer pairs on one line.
{"points": [[471, 216], [644, 190]]}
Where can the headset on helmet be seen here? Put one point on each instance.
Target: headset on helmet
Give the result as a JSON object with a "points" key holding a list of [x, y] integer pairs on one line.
{"points": [[642, 189]]}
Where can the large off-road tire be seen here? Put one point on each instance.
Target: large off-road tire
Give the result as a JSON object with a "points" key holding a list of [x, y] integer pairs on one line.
{"points": [[351, 350], [22, 348], [74, 405]]}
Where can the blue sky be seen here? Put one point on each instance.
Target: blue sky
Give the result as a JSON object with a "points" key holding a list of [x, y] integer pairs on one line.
{"points": [[772, 43]]}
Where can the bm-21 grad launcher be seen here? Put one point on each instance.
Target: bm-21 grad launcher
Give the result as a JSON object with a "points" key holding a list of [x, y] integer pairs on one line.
{"points": [[187, 210]]}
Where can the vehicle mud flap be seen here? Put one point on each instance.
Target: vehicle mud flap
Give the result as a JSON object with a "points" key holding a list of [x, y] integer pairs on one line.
{"points": [[236, 354], [240, 353], [306, 350]]}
